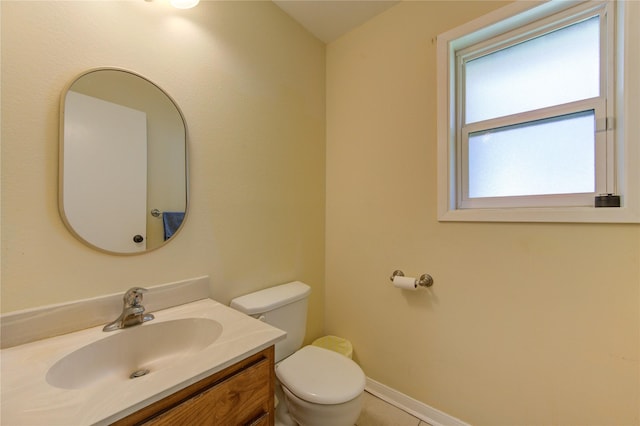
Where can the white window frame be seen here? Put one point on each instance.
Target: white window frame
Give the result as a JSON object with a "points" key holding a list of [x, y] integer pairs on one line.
{"points": [[619, 143]]}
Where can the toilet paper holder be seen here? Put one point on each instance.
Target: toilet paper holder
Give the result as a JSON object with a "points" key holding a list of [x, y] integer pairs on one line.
{"points": [[425, 280]]}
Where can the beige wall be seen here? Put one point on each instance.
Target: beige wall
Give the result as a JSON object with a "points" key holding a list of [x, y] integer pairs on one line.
{"points": [[250, 83], [526, 323]]}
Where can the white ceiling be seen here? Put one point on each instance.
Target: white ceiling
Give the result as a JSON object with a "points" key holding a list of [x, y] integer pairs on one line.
{"points": [[329, 19]]}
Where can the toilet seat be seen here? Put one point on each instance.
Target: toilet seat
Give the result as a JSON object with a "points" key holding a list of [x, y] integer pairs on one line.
{"points": [[321, 376]]}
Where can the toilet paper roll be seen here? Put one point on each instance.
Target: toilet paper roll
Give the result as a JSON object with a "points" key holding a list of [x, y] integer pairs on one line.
{"points": [[406, 283]]}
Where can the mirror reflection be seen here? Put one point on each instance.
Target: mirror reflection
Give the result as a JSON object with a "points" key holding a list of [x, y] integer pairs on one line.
{"points": [[123, 162]]}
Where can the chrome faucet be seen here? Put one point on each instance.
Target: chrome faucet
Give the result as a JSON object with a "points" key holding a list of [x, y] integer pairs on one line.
{"points": [[132, 311]]}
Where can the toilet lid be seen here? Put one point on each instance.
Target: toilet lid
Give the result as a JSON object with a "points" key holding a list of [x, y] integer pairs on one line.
{"points": [[321, 376]]}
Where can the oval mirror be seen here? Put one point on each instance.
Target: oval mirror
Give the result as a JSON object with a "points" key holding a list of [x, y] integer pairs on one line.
{"points": [[123, 162]]}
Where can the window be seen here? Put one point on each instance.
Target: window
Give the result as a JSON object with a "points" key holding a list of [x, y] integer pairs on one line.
{"points": [[527, 113]]}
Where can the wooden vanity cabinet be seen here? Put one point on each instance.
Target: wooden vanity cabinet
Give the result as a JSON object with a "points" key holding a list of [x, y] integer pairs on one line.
{"points": [[238, 395]]}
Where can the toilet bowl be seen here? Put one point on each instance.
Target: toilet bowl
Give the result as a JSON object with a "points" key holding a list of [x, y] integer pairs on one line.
{"points": [[320, 387]]}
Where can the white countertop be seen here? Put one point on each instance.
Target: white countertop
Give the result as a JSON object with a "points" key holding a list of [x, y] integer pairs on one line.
{"points": [[27, 398]]}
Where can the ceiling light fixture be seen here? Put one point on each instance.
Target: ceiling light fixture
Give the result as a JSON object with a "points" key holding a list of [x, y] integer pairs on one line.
{"points": [[184, 4]]}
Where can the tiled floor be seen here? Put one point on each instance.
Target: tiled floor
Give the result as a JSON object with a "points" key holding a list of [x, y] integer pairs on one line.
{"points": [[376, 412]]}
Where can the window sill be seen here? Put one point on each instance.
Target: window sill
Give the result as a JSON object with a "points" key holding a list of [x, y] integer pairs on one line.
{"points": [[544, 214]]}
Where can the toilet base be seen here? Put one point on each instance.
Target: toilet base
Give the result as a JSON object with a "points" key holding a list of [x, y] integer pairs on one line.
{"points": [[309, 414], [281, 411]]}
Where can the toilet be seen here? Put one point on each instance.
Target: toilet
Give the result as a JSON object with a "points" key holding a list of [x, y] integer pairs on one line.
{"points": [[320, 387]]}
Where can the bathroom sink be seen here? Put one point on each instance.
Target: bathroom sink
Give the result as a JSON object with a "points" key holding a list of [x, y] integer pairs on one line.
{"points": [[133, 352], [83, 377]]}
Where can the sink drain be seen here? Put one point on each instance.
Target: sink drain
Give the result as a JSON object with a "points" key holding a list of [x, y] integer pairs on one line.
{"points": [[139, 373]]}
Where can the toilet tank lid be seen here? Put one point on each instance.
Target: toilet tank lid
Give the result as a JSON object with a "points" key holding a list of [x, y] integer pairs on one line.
{"points": [[271, 298]]}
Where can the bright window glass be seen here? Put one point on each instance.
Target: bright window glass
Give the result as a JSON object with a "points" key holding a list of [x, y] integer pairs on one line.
{"points": [[553, 156], [556, 68]]}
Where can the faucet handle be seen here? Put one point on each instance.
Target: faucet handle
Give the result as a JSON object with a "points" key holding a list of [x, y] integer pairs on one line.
{"points": [[133, 296]]}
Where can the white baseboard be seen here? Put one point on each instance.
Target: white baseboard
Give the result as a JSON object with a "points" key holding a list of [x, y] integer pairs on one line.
{"points": [[414, 407]]}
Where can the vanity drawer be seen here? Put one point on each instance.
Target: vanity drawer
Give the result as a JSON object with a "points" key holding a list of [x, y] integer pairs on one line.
{"points": [[239, 395]]}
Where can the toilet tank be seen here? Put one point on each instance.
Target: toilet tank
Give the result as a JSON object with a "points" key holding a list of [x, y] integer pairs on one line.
{"points": [[284, 307]]}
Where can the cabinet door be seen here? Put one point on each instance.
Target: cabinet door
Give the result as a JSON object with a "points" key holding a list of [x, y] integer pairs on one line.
{"points": [[241, 399], [238, 395]]}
